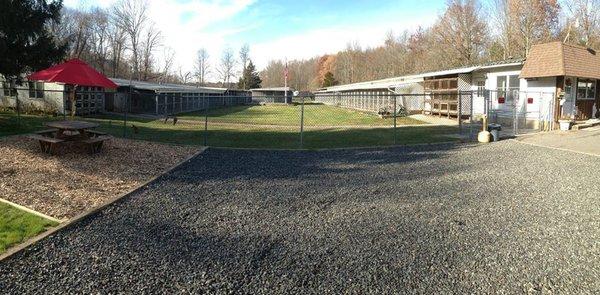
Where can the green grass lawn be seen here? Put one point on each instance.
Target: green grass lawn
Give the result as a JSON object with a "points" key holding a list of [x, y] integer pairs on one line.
{"points": [[11, 124], [16, 226], [289, 115], [247, 132]]}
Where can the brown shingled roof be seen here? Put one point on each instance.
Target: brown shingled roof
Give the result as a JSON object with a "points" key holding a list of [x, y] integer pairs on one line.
{"points": [[559, 59]]}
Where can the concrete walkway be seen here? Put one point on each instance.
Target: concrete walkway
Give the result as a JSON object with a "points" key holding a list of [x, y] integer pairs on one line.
{"points": [[435, 120], [583, 141]]}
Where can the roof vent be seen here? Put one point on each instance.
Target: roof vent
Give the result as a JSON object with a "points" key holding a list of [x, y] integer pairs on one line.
{"points": [[592, 51]]}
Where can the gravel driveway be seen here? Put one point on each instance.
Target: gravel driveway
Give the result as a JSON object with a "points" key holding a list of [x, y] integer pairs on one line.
{"points": [[500, 218]]}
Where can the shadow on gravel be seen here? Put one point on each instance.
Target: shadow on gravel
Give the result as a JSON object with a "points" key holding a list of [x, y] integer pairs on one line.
{"points": [[257, 164], [158, 250]]}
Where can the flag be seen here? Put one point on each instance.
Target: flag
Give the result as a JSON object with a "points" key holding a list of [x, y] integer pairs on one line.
{"points": [[285, 71]]}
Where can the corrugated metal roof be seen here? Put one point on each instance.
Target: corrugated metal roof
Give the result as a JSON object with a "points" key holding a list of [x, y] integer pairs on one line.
{"points": [[167, 87], [273, 89], [377, 84], [399, 81]]}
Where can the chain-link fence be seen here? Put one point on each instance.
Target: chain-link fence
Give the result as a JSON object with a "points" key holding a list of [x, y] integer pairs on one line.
{"points": [[519, 112], [242, 120]]}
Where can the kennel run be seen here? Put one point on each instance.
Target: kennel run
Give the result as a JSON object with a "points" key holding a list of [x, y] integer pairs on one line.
{"points": [[556, 81]]}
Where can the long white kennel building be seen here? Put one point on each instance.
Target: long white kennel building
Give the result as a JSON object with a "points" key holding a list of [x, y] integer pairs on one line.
{"points": [[555, 81]]}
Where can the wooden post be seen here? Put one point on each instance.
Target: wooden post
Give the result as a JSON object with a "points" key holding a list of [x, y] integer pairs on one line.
{"points": [[72, 98]]}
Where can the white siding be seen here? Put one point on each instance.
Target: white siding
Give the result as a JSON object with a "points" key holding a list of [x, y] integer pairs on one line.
{"points": [[52, 101]]}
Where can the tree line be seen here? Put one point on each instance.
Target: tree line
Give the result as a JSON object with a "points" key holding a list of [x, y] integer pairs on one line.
{"points": [[467, 32], [122, 41]]}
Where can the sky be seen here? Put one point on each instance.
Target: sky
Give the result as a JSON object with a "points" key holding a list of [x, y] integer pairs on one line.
{"points": [[277, 29]]}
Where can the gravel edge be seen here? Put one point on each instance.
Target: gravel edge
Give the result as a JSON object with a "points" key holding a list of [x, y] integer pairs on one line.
{"points": [[75, 220]]}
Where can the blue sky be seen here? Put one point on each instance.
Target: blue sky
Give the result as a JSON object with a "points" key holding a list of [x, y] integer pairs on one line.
{"points": [[278, 29], [275, 19]]}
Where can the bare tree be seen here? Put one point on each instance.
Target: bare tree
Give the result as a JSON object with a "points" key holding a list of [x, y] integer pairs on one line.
{"points": [[526, 22], [169, 59], [131, 16], [184, 77], [462, 32], [272, 75], [244, 57], [100, 37], [151, 40], [202, 67], [583, 25], [226, 66], [76, 31], [117, 40], [505, 27]]}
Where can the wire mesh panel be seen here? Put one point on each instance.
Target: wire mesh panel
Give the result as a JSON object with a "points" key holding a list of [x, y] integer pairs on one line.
{"points": [[349, 119], [355, 119], [259, 122], [521, 112]]}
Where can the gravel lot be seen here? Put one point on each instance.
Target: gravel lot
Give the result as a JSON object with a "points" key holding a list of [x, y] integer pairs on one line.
{"points": [[502, 218]]}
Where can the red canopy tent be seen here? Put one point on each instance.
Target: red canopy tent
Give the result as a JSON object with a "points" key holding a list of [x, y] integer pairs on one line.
{"points": [[73, 72], [76, 73]]}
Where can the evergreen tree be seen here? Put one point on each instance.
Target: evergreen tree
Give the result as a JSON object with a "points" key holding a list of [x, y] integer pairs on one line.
{"points": [[250, 78], [329, 80], [26, 43]]}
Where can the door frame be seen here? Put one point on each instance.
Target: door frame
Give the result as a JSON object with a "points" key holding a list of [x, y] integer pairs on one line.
{"points": [[578, 101]]}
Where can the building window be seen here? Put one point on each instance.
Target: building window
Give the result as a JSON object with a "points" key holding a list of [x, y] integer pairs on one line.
{"points": [[480, 88], [36, 90], [586, 90], [507, 86], [6, 89]]}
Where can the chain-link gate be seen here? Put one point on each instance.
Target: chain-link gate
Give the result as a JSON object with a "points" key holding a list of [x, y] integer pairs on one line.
{"points": [[520, 112]]}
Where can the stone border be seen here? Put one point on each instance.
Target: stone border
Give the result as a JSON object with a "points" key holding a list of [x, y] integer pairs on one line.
{"points": [[22, 208], [21, 247]]}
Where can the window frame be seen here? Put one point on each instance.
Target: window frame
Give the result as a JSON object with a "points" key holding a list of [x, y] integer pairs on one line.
{"points": [[506, 91], [6, 90], [590, 88], [36, 89], [480, 88]]}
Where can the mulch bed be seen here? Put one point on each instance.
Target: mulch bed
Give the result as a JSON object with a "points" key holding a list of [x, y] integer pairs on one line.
{"points": [[73, 182]]}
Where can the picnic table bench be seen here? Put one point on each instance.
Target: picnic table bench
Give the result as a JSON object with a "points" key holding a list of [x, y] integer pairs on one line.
{"points": [[70, 131], [47, 132], [94, 144], [94, 133], [47, 144]]}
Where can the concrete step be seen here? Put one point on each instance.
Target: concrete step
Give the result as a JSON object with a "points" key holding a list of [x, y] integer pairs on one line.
{"points": [[589, 124]]}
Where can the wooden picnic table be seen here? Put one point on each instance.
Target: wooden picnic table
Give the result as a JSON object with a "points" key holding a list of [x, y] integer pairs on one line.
{"points": [[81, 127], [72, 131]]}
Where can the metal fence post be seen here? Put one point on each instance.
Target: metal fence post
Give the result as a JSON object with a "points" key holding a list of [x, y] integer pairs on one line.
{"points": [[18, 106], [127, 102], [206, 108], [13, 87], [459, 112], [65, 98], [471, 114], [302, 124], [515, 115], [395, 118]]}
